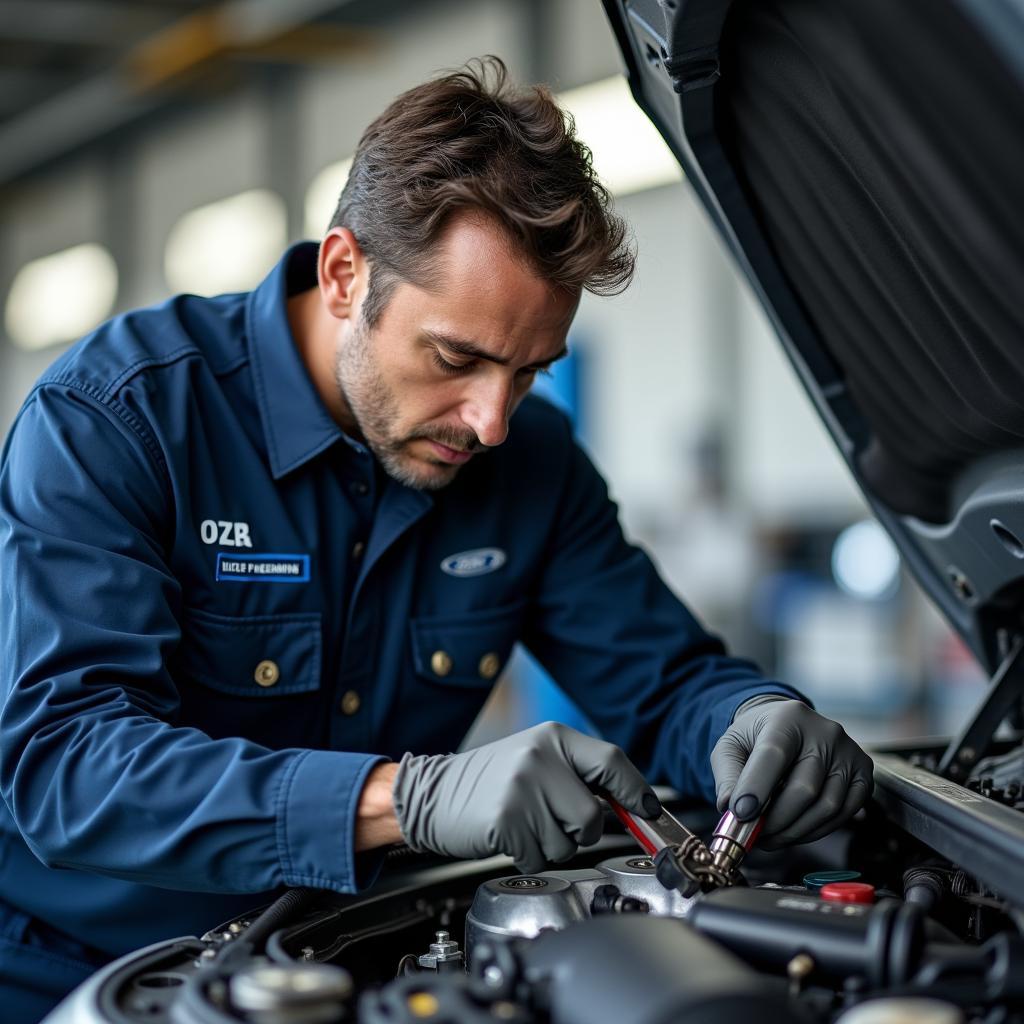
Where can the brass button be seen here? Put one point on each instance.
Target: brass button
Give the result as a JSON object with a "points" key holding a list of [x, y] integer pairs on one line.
{"points": [[267, 673], [489, 666], [441, 663], [350, 703], [357, 549]]}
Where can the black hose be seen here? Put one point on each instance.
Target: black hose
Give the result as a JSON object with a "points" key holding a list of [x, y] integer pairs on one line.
{"points": [[277, 915], [923, 887]]}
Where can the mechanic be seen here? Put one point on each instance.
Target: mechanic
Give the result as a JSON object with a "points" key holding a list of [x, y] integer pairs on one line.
{"points": [[264, 555]]}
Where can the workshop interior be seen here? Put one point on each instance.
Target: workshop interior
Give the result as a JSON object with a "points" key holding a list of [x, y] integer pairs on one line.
{"points": [[806, 407]]}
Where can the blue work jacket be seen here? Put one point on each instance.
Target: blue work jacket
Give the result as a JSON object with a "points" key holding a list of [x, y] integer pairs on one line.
{"points": [[219, 614]]}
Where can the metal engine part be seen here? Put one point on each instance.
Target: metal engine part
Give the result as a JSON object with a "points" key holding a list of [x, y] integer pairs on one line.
{"points": [[275, 994], [443, 955], [521, 906]]}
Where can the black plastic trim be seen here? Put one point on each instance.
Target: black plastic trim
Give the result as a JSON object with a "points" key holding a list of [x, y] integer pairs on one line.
{"points": [[981, 835]]}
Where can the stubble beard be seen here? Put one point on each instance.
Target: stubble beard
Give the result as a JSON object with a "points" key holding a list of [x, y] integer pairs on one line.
{"points": [[375, 409]]}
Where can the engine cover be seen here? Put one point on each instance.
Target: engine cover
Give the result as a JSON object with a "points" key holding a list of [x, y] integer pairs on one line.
{"points": [[521, 906]]}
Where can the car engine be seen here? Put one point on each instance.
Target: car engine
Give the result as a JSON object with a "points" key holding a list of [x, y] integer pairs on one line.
{"points": [[912, 913]]}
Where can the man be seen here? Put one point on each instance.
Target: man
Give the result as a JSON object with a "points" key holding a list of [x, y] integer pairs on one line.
{"points": [[264, 555]]}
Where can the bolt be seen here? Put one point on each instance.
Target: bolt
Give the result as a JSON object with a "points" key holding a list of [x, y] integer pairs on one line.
{"points": [[444, 946], [961, 584], [800, 966], [798, 969], [493, 976]]}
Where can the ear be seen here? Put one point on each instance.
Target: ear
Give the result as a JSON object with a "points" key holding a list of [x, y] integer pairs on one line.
{"points": [[343, 273]]}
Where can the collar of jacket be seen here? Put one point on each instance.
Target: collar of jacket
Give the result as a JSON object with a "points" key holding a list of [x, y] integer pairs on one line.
{"points": [[296, 424]]}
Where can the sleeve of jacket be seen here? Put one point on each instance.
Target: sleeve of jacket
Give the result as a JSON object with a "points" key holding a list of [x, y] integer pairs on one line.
{"points": [[92, 767], [626, 648]]}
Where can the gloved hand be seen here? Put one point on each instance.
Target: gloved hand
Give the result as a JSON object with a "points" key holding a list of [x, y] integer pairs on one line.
{"points": [[528, 795], [825, 776]]}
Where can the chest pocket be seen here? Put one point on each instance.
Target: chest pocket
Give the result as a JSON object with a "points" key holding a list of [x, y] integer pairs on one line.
{"points": [[256, 656], [467, 650]]}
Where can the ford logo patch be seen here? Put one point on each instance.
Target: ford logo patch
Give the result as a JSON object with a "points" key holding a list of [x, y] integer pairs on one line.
{"points": [[474, 563]]}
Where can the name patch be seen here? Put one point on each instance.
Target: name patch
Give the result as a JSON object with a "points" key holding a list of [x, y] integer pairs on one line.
{"points": [[474, 563], [263, 568]]}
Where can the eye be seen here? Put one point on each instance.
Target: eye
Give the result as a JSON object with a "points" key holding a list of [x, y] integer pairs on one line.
{"points": [[446, 367]]}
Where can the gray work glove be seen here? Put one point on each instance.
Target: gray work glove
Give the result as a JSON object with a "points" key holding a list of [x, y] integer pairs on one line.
{"points": [[774, 743], [529, 795]]}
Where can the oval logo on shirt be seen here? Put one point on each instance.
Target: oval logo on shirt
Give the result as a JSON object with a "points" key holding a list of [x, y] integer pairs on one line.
{"points": [[473, 563]]}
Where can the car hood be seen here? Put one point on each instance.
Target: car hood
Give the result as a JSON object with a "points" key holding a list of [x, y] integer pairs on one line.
{"points": [[864, 162]]}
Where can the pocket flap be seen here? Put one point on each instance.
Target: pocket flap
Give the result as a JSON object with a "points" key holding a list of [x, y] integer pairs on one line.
{"points": [[469, 649], [252, 655]]}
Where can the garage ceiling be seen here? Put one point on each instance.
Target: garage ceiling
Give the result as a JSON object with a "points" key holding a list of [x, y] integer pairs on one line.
{"points": [[74, 71]]}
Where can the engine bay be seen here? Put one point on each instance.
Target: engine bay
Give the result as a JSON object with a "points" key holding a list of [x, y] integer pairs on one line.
{"points": [[897, 917]]}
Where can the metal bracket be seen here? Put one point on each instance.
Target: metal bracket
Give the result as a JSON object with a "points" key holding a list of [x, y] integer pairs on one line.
{"points": [[1005, 691]]}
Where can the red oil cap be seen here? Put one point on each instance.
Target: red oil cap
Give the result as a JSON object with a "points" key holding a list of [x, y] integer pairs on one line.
{"points": [[848, 892]]}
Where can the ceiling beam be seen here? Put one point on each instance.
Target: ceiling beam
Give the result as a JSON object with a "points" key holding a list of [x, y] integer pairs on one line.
{"points": [[142, 79], [87, 23], [32, 80]]}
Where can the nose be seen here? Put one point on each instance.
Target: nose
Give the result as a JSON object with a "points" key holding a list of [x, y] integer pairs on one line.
{"points": [[487, 409]]}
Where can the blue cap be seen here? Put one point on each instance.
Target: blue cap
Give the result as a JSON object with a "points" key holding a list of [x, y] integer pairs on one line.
{"points": [[816, 879]]}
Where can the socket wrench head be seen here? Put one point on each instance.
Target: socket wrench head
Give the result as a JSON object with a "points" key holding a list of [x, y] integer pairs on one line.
{"points": [[732, 840]]}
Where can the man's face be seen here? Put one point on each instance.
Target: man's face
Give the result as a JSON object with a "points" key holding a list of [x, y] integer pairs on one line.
{"points": [[434, 382]]}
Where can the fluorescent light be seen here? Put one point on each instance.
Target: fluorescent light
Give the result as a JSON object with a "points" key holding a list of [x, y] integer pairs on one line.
{"points": [[60, 297], [629, 154], [865, 562], [322, 197], [227, 246]]}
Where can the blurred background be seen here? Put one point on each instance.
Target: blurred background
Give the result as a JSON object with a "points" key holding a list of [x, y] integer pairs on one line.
{"points": [[155, 146]]}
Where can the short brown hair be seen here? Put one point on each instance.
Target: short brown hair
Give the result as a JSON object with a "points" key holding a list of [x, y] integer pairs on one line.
{"points": [[470, 141]]}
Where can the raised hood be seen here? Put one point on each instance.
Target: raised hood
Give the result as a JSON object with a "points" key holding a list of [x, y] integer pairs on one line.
{"points": [[864, 161]]}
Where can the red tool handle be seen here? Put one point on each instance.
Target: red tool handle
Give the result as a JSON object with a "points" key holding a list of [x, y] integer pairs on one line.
{"points": [[656, 833], [638, 827]]}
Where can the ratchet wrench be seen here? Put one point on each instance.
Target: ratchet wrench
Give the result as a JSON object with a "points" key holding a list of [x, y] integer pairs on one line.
{"points": [[656, 833], [682, 860]]}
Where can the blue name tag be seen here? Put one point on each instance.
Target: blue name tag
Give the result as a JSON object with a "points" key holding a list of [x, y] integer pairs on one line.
{"points": [[263, 568]]}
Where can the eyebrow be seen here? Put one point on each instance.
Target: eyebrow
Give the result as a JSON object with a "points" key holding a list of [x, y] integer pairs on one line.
{"points": [[473, 351]]}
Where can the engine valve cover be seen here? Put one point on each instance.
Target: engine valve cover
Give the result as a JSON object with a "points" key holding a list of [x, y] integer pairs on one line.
{"points": [[521, 906]]}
